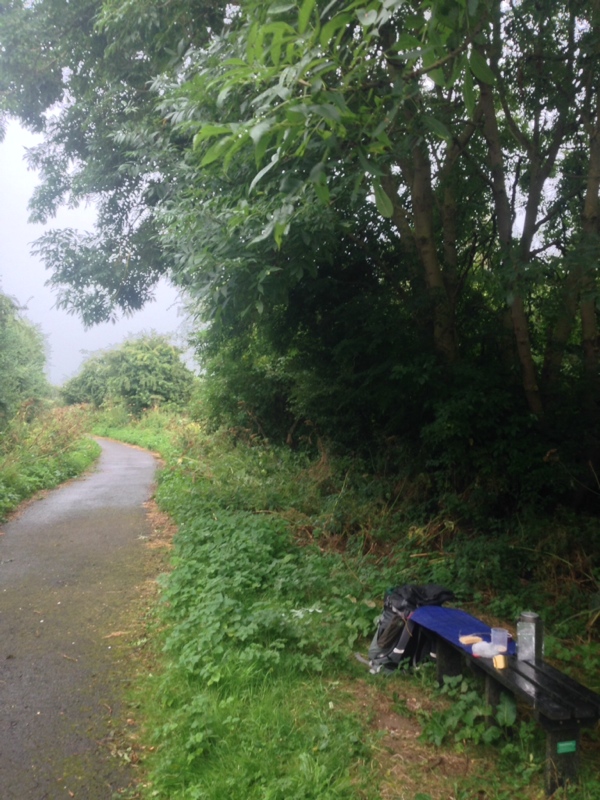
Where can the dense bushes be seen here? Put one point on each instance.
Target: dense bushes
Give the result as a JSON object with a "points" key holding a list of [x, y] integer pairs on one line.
{"points": [[365, 383], [140, 373], [43, 452], [40, 446], [22, 362]]}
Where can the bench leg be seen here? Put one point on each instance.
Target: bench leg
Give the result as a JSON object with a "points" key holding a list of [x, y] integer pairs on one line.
{"points": [[493, 695], [562, 754], [448, 660]]}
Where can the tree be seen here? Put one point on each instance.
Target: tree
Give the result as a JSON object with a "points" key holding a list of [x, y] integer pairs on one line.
{"points": [[415, 100], [22, 361], [57, 56], [141, 373], [243, 150]]}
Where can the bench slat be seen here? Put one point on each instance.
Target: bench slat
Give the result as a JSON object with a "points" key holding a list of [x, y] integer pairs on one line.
{"points": [[585, 702], [547, 703]]}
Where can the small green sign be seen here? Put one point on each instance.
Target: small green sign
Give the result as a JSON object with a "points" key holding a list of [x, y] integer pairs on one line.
{"points": [[566, 747]]}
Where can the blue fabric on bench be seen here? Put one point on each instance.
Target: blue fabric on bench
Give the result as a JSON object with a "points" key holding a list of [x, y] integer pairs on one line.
{"points": [[452, 623]]}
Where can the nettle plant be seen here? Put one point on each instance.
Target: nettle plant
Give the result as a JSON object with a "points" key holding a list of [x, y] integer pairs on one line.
{"points": [[469, 719]]}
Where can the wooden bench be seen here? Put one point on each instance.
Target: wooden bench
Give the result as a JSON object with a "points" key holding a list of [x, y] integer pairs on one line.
{"points": [[560, 704]]}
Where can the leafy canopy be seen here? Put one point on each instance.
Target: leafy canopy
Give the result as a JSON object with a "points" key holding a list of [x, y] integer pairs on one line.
{"points": [[141, 373]]}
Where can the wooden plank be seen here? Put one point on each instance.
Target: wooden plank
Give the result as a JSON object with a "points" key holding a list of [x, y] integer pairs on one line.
{"points": [[553, 705], [520, 686], [585, 703], [448, 660]]}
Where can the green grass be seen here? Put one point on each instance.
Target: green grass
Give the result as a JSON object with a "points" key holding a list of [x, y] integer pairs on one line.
{"points": [[279, 567], [265, 734]]}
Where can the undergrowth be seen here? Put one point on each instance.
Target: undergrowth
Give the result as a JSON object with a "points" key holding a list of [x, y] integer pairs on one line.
{"points": [[279, 567], [42, 452]]}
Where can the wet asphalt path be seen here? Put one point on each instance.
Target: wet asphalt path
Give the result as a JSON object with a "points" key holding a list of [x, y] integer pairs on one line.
{"points": [[70, 565]]}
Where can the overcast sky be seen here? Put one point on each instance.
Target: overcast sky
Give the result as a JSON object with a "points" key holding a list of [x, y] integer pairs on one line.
{"points": [[23, 276]]}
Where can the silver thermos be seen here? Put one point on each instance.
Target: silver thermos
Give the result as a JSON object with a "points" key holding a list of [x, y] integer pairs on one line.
{"points": [[530, 637]]}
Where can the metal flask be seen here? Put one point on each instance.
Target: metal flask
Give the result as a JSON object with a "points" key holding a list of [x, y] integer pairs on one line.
{"points": [[530, 637]]}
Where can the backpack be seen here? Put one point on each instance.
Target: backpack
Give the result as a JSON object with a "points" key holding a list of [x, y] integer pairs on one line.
{"points": [[396, 639]]}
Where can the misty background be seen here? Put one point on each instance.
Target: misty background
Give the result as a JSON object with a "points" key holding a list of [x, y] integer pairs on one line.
{"points": [[23, 276]]}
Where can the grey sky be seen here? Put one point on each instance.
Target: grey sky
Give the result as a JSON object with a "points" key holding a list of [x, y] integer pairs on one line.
{"points": [[22, 276]]}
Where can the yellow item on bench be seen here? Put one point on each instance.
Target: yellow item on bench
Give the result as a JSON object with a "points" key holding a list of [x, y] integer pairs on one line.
{"points": [[471, 639]]}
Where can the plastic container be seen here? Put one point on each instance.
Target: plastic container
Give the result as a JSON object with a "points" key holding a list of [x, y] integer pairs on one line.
{"points": [[486, 650], [500, 638]]}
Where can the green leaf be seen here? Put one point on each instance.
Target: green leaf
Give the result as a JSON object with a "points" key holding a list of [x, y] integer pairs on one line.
{"points": [[327, 111], [258, 131], [216, 151], [281, 229], [264, 170], [317, 172], [290, 184], [480, 68], [318, 177], [438, 77], [436, 126], [236, 145], [506, 713], [276, 44], [370, 166], [260, 149], [306, 10], [252, 42], [491, 735], [469, 92], [223, 95], [382, 201], [235, 62], [406, 41], [322, 192], [340, 21], [366, 18], [281, 8], [208, 131]]}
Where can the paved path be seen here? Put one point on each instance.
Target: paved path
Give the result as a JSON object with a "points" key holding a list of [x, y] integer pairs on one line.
{"points": [[70, 565]]}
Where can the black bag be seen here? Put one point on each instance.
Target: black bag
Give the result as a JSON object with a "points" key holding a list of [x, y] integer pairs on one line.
{"points": [[398, 640]]}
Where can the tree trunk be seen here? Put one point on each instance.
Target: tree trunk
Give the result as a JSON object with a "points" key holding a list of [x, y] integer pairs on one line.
{"points": [[444, 331], [560, 334], [591, 233], [503, 217]]}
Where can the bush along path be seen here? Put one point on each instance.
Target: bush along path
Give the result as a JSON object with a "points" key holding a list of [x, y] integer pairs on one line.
{"points": [[73, 570], [258, 695], [43, 452]]}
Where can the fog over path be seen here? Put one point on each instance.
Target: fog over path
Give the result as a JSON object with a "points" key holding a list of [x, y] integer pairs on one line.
{"points": [[71, 564]]}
